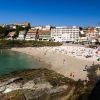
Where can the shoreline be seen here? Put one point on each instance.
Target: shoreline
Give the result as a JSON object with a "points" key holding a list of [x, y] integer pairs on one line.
{"points": [[59, 62], [38, 59]]}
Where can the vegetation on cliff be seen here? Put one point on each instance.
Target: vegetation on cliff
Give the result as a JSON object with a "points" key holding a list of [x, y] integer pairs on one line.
{"points": [[23, 43], [37, 84], [44, 84]]}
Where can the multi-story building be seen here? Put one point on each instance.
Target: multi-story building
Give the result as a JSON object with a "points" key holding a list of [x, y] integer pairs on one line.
{"points": [[36, 27], [21, 35], [92, 34], [44, 32], [47, 27], [45, 35], [23, 24], [11, 35], [98, 29], [12, 26], [31, 35], [65, 34]]}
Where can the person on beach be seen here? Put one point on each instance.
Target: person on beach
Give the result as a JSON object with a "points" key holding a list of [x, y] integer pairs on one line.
{"points": [[45, 53], [64, 61], [86, 67], [71, 74], [93, 63], [39, 59], [87, 79]]}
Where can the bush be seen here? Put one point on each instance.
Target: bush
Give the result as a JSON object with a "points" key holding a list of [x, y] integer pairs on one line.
{"points": [[23, 43]]}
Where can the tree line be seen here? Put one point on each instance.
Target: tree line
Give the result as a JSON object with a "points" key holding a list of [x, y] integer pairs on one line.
{"points": [[4, 31]]}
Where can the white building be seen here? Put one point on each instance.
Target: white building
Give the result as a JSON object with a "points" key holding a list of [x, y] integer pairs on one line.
{"points": [[31, 35], [21, 35], [12, 26], [47, 27], [23, 24], [98, 29], [36, 27], [10, 35], [45, 35], [65, 34]]}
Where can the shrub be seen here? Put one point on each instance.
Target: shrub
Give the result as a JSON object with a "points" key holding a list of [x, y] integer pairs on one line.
{"points": [[24, 43]]}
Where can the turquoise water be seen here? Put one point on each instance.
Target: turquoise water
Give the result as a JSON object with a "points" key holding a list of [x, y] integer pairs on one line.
{"points": [[13, 61]]}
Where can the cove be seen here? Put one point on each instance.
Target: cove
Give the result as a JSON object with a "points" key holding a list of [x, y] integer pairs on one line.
{"points": [[11, 61]]}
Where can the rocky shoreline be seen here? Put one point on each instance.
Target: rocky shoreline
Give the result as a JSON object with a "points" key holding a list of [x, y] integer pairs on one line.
{"points": [[34, 84]]}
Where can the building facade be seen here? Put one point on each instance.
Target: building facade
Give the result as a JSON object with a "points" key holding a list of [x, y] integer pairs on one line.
{"points": [[11, 35], [45, 35], [47, 27], [65, 34], [92, 34], [22, 24], [30, 35], [21, 35]]}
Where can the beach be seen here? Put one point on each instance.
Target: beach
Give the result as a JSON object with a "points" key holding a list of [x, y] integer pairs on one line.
{"points": [[69, 61]]}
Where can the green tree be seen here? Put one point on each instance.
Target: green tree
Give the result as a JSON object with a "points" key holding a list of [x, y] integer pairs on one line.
{"points": [[37, 34], [18, 29], [4, 31], [1, 32]]}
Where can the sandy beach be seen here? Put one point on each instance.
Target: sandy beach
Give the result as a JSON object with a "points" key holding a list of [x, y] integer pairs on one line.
{"points": [[69, 61]]}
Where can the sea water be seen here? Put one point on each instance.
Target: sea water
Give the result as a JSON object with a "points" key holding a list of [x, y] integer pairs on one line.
{"points": [[11, 61]]}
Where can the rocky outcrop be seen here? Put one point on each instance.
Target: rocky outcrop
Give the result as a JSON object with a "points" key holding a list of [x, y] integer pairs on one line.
{"points": [[37, 84]]}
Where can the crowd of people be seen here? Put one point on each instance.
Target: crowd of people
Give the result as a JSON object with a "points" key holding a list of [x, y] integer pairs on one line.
{"points": [[67, 60]]}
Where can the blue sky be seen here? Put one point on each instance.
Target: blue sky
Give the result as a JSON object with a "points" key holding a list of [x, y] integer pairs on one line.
{"points": [[53, 12]]}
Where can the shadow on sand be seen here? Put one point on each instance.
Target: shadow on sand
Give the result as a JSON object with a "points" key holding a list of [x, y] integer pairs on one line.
{"points": [[95, 80], [95, 94]]}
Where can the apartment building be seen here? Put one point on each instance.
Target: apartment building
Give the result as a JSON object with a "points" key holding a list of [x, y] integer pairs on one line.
{"points": [[23, 24], [65, 34], [32, 35], [45, 35], [21, 35], [98, 30], [11, 35], [47, 27], [91, 34]]}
